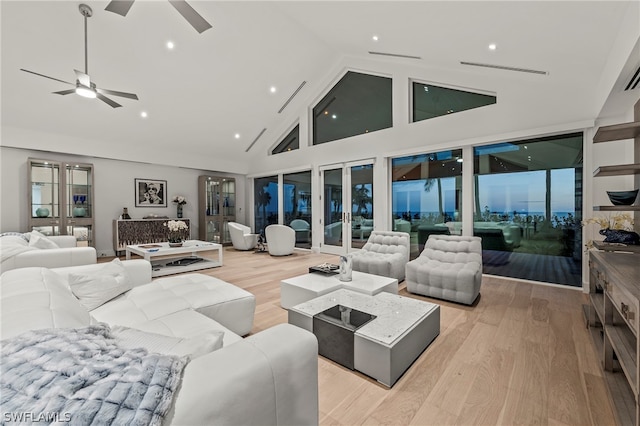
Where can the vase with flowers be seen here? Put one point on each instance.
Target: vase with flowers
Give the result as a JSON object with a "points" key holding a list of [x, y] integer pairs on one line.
{"points": [[179, 201], [177, 232], [617, 228]]}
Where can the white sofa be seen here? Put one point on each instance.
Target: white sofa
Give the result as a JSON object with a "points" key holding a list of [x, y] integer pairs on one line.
{"points": [[18, 251], [267, 378]]}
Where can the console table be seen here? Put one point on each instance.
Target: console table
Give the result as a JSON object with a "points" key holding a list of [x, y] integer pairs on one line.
{"points": [[128, 232], [614, 294]]}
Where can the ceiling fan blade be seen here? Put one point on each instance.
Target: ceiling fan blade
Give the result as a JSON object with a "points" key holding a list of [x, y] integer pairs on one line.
{"points": [[46, 76], [121, 7], [193, 17], [83, 78], [108, 101], [116, 93], [65, 92]]}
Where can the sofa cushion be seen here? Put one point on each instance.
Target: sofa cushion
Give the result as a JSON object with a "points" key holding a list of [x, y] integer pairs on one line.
{"points": [[183, 324], [193, 347], [99, 287], [225, 303], [40, 241], [36, 298]]}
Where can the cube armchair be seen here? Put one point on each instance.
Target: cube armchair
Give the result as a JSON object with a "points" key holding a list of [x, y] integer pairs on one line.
{"points": [[385, 253], [449, 268]]}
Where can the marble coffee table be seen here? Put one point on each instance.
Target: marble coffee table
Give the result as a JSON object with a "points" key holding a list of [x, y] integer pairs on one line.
{"points": [[385, 347], [296, 290]]}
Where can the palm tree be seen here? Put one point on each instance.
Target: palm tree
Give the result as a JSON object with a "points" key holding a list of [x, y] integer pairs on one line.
{"points": [[428, 185], [361, 198], [263, 198]]}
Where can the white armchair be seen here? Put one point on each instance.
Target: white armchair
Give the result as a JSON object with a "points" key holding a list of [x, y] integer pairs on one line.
{"points": [[241, 236], [281, 239], [386, 253], [449, 267]]}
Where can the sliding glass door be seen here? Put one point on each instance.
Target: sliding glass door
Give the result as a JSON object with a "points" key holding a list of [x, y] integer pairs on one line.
{"points": [[528, 208]]}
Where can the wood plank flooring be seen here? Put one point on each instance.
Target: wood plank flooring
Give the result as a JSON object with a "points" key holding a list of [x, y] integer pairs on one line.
{"points": [[520, 356]]}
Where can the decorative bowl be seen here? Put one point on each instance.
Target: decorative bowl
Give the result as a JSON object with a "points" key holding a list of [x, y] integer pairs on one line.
{"points": [[622, 198], [42, 212]]}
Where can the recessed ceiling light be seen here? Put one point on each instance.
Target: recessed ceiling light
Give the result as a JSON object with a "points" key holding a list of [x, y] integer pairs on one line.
{"points": [[144, 114], [273, 89], [237, 136], [334, 116], [375, 38], [493, 46], [170, 45]]}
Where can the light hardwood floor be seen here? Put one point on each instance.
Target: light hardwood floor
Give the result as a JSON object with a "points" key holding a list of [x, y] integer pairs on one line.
{"points": [[521, 355]]}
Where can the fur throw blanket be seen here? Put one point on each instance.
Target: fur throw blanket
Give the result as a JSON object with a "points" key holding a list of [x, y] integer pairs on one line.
{"points": [[81, 377]]}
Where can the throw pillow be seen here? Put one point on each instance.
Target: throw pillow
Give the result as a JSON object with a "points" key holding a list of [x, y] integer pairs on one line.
{"points": [[193, 347], [100, 286], [38, 240], [15, 234]]}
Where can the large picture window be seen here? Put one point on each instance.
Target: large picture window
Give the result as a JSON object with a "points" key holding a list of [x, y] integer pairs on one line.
{"points": [[357, 104], [290, 142], [297, 206], [426, 196], [431, 101], [528, 208], [265, 192]]}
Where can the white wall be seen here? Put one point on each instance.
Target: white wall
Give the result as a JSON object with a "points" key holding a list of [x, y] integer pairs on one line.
{"points": [[114, 189]]}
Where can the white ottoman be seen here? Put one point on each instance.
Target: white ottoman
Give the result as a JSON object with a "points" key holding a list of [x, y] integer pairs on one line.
{"points": [[296, 290], [303, 288]]}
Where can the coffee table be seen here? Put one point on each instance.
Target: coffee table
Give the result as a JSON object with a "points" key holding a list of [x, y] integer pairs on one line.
{"points": [[386, 346], [296, 290], [167, 260]]}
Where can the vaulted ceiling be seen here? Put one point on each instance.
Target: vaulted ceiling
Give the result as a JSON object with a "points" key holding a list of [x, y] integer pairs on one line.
{"points": [[213, 86]]}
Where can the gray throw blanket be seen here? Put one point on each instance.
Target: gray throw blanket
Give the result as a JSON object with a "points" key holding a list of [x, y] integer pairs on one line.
{"points": [[81, 377]]}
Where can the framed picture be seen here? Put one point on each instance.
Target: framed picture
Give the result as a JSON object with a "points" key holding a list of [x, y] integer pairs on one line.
{"points": [[151, 193]]}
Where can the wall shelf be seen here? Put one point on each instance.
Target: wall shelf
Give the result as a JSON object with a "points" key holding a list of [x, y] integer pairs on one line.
{"points": [[617, 170], [616, 208], [617, 132]]}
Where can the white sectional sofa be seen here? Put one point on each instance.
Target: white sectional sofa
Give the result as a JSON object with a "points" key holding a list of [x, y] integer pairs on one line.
{"points": [[270, 377], [19, 251]]}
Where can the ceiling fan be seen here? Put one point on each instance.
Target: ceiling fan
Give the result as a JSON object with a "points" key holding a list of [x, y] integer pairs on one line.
{"points": [[121, 7], [84, 86]]}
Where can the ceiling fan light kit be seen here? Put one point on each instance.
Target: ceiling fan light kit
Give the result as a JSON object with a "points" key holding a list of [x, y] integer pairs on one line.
{"points": [[83, 85], [85, 92]]}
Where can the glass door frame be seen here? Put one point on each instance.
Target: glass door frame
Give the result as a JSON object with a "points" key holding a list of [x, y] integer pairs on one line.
{"points": [[346, 216]]}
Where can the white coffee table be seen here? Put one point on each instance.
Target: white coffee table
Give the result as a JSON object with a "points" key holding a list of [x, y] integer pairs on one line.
{"points": [[165, 260], [296, 290], [385, 347]]}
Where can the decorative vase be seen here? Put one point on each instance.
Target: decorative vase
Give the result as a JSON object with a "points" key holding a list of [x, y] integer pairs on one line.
{"points": [[79, 212], [346, 263], [42, 212], [179, 211]]}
